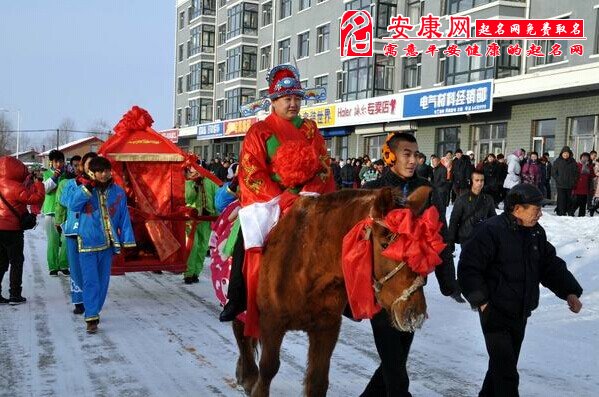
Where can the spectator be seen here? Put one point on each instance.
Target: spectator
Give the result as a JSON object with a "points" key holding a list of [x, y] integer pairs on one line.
{"points": [[347, 175], [524, 158], [470, 154], [592, 181], [565, 173], [336, 170], [532, 171], [513, 169], [469, 210], [546, 164], [424, 170], [491, 169], [447, 162], [499, 272], [502, 175], [581, 190], [441, 185], [462, 169], [18, 188], [357, 168], [221, 170], [366, 167], [57, 259], [595, 200], [99, 237], [374, 172]]}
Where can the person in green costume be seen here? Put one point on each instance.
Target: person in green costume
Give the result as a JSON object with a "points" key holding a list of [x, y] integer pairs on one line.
{"points": [[199, 194], [51, 179]]}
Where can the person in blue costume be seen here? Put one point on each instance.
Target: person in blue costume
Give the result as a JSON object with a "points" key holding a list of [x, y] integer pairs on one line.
{"points": [[104, 230]]}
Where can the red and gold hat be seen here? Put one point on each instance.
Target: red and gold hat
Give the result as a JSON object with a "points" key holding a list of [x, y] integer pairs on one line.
{"points": [[284, 80]]}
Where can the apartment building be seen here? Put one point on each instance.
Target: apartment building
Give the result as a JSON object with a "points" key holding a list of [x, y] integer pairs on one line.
{"points": [[224, 49]]}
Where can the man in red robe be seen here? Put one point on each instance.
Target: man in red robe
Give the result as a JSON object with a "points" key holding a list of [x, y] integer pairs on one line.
{"points": [[282, 157]]}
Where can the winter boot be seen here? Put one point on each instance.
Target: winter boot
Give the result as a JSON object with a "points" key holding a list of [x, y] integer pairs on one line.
{"points": [[3, 300], [65, 272], [54, 273], [16, 300], [188, 280], [195, 279], [79, 308], [92, 326]]}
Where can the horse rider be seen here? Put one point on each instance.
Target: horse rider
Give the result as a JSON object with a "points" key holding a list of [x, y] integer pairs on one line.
{"points": [[391, 378], [282, 158]]}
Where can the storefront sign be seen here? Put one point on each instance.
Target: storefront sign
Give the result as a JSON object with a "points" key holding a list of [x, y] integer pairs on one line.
{"points": [[367, 111], [210, 130], [171, 135], [239, 127], [449, 101], [323, 115]]}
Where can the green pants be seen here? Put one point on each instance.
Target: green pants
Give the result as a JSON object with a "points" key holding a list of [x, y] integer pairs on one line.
{"points": [[56, 252], [195, 262]]}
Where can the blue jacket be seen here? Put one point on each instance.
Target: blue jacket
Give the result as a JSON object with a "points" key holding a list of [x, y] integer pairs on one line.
{"points": [[71, 223], [103, 218]]}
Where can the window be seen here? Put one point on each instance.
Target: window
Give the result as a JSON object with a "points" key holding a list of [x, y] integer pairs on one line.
{"points": [[411, 72], [234, 20], [195, 71], [323, 33], [242, 19], [357, 79], [222, 3], [596, 50], [303, 45], [207, 76], [241, 62], [384, 68], [181, 52], [284, 51], [546, 46], [235, 98], [220, 109], [543, 136], [181, 19], [265, 57], [194, 111], [178, 117], [187, 115], [374, 145], [340, 85], [343, 147], [447, 138], [489, 138], [263, 93], [250, 19], [415, 9], [464, 69], [222, 34], [285, 9], [194, 43], [506, 65], [208, 39], [180, 85], [386, 10], [267, 13], [188, 82], [583, 135], [205, 110], [200, 111], [454, 6], [202, 7], [358, 5], [221, 72], [322, 81], [441, 66], [304, 4]]}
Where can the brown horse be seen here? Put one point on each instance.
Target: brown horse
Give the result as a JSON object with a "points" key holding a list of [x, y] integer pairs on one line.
{"points": [[301, 285]]}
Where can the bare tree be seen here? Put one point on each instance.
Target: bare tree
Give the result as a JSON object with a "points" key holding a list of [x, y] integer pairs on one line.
{"points": [[65, 135], [99, 128], [6, 136]]}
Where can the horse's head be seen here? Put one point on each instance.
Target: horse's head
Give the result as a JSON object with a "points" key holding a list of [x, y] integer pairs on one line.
{"points": [[398, 289]]}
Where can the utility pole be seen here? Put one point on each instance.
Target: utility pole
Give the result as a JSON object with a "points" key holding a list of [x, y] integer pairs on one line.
{"points": [[57, 137]]}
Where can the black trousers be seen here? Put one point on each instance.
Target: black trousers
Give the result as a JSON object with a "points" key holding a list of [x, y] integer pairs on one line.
{"points": [[503, 338], [391, 377], [579, 203], [11, 252], [237, 292], [564, 200]]}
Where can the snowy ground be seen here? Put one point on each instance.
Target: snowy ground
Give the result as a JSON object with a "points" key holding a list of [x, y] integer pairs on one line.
{"points": [[159, 337]]}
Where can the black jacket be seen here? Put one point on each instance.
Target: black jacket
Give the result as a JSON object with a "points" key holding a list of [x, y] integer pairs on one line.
{"points": [[347, 175], [492, 172], [424, 171], [503, 264], [336, 169], [565, 172], [445, 272], [461, 172], [440, 181], [468, 211]]}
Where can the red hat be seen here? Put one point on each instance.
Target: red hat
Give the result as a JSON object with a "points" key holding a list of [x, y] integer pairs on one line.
{"points": [[284, 80]]}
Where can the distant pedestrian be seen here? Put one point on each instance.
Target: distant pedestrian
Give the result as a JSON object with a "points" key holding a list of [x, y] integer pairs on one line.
{"points": [[546, 164], [462, 169], [513, 177], [424, 170], [565, 173], [582, 190], [491, 169], [441, 185]]}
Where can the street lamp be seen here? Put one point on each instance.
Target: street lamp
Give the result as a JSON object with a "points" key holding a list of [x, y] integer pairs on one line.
{"points": [[18, 127]]}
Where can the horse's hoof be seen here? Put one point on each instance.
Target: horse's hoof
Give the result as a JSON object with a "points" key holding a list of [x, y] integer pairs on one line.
{"points": [[248, 383]]}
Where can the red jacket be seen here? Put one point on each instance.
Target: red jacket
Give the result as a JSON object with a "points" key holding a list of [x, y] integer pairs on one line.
{"points": [[584, 180], [19, 194]]}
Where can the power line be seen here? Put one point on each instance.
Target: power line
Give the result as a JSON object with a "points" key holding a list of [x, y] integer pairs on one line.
{"points": [[54, 130]]}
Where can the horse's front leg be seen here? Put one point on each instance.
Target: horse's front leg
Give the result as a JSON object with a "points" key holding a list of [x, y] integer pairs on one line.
{"points": [[271, 338], [321, 348], [247, 370]]}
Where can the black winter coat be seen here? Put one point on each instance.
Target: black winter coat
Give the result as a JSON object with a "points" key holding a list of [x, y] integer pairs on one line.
{"points": [[492, 172], [425, 171], [468, 211], [440, 181], [445, 272], [503, 264], [347, 175], [565, 172], [461, 171]]}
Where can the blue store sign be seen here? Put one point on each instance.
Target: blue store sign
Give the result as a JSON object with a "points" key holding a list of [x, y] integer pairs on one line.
{"points": [[210, 130], [450, 101]]}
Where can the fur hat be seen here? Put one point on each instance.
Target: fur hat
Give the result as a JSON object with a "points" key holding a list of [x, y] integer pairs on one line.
{"points": [[284, 80]]}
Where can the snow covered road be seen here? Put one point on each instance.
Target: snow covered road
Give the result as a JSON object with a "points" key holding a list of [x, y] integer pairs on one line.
{"points": [[159, 337]]}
